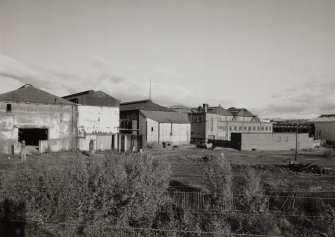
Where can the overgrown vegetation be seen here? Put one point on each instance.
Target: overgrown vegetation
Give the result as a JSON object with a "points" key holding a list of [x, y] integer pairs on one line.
{"points": [[112, 195], [126, 190]]}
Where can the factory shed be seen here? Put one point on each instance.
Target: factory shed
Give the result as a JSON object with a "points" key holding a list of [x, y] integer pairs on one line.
{"points": [[98, 119], [40, 119], [142, 118], [325, 127], [168, 128]]}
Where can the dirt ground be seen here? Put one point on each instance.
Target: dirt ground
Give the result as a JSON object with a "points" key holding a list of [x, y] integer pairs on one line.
{"points": [[187, 163]]}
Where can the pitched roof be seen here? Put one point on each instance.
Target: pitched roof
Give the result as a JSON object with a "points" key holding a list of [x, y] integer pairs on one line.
{"points": [[165, 117], [95, 98], [219, 110], [240, 112], [147, 105], [179, 107], [324, 118], [28, 93]]}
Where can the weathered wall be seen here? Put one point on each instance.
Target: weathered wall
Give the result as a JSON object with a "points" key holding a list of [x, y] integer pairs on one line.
{"points": [[152, 130], [56, 145], [327, 130], [98, 119], [275, 141], [218, 127], [60, 120], [174, 133]]}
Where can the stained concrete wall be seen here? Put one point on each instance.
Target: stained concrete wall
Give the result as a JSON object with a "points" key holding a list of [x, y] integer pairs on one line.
{"points": [[60, 120], [275, 141], [327, 130]]}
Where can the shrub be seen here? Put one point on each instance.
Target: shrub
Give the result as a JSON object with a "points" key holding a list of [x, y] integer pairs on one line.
{"points": [[329, 153], [127, 190]]}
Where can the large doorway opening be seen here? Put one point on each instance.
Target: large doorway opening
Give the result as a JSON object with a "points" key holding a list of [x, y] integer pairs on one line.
{"points": [[32, 136]]}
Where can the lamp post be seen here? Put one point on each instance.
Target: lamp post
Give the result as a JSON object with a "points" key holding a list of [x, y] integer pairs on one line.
{"points": [[296, 143]]}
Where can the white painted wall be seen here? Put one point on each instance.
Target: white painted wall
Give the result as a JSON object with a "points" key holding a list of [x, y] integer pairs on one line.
{"points": [[327, 130], [175, 133], [98, 119], [152, 130]]}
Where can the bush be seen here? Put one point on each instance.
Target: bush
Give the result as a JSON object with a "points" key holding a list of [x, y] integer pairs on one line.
{"points": [[329, 153], [128, 190]]}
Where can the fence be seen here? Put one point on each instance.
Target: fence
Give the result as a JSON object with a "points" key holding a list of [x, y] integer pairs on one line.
{"points": [[283, 203]]}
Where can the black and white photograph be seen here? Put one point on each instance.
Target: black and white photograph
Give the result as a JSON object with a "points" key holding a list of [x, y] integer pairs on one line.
{"points": [[173, 118]]}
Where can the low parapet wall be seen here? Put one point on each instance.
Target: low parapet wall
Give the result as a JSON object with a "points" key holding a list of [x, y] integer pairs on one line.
{"points": [[276, 141], [56, 145]]}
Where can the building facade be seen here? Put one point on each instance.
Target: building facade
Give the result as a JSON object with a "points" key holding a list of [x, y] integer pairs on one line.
{"points": [[98, 119], [42, 120], [154, 123], [324, 127], [217, 123]]}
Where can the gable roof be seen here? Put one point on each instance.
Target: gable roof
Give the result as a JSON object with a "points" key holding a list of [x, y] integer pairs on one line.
{"points": [[147, 105], [324, 118], [240, 112], [95, 98], [28, 93], [165, 117], [219, 110]]}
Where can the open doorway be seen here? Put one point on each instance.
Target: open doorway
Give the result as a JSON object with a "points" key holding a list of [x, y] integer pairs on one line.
{"points": [[32, 136]]}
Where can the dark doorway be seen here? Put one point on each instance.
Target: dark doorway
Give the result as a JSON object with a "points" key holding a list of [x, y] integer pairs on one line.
{"points": [[33, 135]]}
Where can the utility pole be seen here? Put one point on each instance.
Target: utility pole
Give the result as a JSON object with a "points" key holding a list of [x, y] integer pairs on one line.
{"points": [[296, 143]]}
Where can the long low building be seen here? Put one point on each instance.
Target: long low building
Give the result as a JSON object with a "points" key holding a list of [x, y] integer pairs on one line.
{"points": [[272, 141]]}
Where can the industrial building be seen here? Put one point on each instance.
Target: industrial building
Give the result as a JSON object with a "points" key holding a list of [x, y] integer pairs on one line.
{"points": [[217, 123], [154, 123], [98, 119], [272, 141], [325, 127], [37, 117]]}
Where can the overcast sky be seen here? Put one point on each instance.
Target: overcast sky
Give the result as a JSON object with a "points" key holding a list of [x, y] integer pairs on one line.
{"points": [[274, 57]]}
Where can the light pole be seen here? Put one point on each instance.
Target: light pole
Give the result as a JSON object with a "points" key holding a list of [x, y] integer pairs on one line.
{"points": [[296, 143]]}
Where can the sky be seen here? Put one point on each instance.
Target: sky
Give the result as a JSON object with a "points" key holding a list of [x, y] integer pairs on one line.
{"points": [[274, 57]]}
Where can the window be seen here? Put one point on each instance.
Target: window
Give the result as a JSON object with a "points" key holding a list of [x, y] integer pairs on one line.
{"points": [[254, 128], [152, 129], [245, 128], [262, 128], [230, 128], [235, 128], [266, 128], [74, 100], [240, 128], [249, 128], [9, 108], [211, 124], [258, 128]]}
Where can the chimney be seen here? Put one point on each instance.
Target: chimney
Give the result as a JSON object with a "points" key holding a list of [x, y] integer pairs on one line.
{"points": [[204, 107]]}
